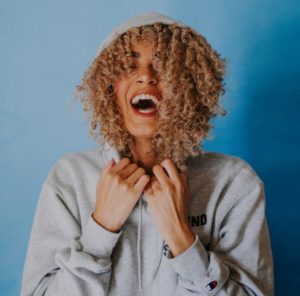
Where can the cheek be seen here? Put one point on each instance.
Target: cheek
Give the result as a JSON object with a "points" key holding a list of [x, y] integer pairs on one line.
{"points": [[118, 91], [122, 86]]}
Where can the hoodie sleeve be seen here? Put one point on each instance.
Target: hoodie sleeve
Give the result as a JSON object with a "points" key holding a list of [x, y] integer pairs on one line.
{"points": [[239, 260], [61, 258]]}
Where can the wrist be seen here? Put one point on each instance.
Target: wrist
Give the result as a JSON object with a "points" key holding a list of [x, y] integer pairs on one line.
{"points": [[181, 240], [108, 228]]}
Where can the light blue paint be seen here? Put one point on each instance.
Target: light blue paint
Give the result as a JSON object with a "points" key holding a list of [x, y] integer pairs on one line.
{"points": [[46, 46]]}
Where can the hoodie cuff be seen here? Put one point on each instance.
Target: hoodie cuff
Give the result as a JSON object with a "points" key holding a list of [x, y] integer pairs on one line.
{"points": [[98, 241], [193, 258], [193, 265]]}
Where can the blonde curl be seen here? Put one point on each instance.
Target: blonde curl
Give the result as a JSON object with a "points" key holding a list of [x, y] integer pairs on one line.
{"points": [[193, 72]]}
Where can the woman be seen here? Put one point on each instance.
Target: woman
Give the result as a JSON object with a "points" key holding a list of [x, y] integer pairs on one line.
{"points": [[150, 212]]}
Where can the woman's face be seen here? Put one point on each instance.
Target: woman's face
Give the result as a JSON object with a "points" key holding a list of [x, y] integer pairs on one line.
{"points": [[143, 83]]}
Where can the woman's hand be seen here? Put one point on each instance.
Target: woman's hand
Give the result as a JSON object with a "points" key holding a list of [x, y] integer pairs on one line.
{"points": [[118, 189], [168, 196]]}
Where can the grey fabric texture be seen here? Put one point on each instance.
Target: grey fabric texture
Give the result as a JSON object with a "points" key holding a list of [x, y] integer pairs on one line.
{"points": [[70, 254]]}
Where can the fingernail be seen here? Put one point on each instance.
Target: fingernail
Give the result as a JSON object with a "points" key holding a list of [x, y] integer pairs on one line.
{"points": [[111, 161]]}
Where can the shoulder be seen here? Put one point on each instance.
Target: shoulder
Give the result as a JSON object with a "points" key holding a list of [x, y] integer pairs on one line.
{"points": [[225, 181], [75, 165], [224, 168]]}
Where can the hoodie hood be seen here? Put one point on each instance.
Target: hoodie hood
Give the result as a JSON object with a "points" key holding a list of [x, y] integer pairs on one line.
{"points": [[136, 21]]}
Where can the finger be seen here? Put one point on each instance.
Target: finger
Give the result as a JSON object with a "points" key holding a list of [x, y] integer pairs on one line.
{"points": [[185, 173], [128, 170], [108, 166], [184, 176], [161, 175], [124, 162], [155, 184], [171, 169], [148, 189], [134, 177], [141, 183]]}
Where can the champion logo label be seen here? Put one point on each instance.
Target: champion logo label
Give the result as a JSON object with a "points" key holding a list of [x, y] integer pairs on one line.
{"points": [[210, 286]]}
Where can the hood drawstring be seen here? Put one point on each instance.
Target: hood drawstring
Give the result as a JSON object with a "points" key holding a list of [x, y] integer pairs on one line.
{"points": [[111, 152], [139, 245]]}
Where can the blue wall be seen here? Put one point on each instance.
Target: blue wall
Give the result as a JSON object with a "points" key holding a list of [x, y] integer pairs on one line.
{"points": [[46, 46]]}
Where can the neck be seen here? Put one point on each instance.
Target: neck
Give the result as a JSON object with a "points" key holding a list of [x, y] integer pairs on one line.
{"points": [[143, 154]]}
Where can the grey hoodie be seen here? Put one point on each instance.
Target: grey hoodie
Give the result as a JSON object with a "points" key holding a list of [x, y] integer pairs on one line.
{"points": [[70, 254]]}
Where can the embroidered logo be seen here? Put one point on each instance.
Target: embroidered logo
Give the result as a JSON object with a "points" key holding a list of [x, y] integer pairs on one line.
{"points": [[210, 286], [197, 220]]}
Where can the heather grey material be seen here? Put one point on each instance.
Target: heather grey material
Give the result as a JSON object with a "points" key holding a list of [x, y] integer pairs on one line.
{"points": [[136, 21], [70, 254]]}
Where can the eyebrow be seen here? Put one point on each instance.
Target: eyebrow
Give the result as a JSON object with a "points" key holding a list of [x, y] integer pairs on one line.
{"points": [[135, 54]]}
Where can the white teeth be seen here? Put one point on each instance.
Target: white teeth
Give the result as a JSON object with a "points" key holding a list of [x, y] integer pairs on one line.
{"points": [[146, 111], [145, 97]]}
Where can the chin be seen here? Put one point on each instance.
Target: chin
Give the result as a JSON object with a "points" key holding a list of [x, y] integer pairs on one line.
{"points": [[139, 130], [145, 133]]}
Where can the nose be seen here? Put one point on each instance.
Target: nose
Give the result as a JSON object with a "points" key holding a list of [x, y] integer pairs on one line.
{"points": [[147, 76]]}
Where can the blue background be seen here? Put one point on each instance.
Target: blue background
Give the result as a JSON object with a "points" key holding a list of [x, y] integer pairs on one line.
{"points": [[46, 46]]}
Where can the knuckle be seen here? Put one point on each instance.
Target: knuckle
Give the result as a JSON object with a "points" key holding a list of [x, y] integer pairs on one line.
{"points": [[117, 179], [126, 186]]}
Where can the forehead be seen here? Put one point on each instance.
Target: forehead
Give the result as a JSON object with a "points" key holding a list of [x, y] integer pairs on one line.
{"points": [[141, 47]]}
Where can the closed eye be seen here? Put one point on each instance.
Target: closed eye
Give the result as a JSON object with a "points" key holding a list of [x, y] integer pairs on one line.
{"points": [[132, 66], [135, 54]]}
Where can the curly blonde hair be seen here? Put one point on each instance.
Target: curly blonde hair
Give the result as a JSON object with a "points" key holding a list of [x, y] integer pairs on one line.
{"points": [[193, 72]]}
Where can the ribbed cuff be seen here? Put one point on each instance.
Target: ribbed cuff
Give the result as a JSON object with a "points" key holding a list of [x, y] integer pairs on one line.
{"points": [[188, 261], [98, 241], [194, 265]]}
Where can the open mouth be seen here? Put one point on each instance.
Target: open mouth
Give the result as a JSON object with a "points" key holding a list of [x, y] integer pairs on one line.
{"points": [[145, 104]]}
